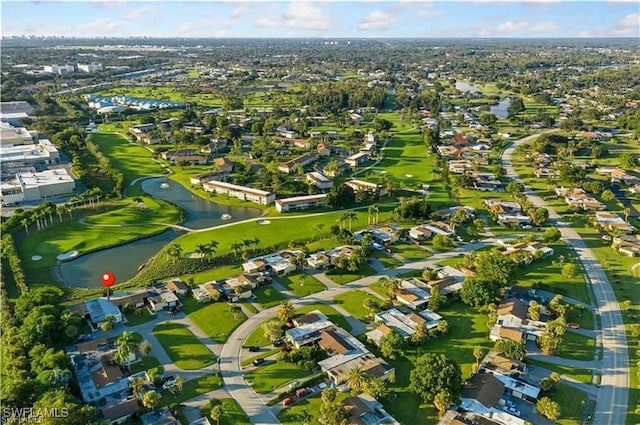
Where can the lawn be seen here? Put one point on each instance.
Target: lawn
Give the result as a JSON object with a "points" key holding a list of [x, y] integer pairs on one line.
{"points": [[214, 319], [467, 329], [583, 318], [262, 355], [192, 389], [571, 401], [256, 338], [279, 232], [386, 260], [328, 311], [353, 301], [292, 415], [145, 364], [377, 287], [581, 375], [139, 316], [265, 379], [232, 414], [268, 297], [411, 252], [345, 276], [301, 286], [133, 160], [547, 274], [123, 223], [184, 348], [222, 272], [576, 346]]}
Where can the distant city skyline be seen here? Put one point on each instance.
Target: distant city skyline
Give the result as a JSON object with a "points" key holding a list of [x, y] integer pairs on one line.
{"points": [[350, 19]]}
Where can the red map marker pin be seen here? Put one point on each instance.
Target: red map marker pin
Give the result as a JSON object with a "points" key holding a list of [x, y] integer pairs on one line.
{"points": [[108, 279]]}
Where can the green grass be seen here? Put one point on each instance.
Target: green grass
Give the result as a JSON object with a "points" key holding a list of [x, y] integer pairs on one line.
{"points": [[265, 354], [328, 311], [123, 223], [139, 317], [268, 297], [232, 414], [467, 329], [295, 284], [386, 260], [184, 348], [279, 232], [133, 160], [576, 346], [377, 287], [145, 364], [292, 415], [222, 272], [267, 378], [547, 273], [352, 301], [256, 338], [581, 375], [214, 319], [192, 389], [583, 318], [571, 401], [411, 252], [345, 276]]}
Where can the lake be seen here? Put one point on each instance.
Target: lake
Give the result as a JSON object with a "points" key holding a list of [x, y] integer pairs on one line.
{"points": [[466, 87], [124, 260], [501, 109]]}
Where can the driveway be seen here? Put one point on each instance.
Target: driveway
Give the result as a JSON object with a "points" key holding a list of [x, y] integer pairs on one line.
{"points": [[613, 396]]}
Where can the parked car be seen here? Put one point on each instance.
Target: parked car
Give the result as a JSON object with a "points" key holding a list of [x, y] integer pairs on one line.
{"points": [[573, 325], [377, 246], [509, 403], [278, 342], [512, 410], [85, 337], [254, 349], [258, 362], [301, 392], [288, 401], [168, 384]]}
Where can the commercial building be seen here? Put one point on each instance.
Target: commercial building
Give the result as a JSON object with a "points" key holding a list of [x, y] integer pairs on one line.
{"points": [[241, 192], [14, 135], [298, 203], [36, 155], [58, 69], [36, 186], [90, 67]]}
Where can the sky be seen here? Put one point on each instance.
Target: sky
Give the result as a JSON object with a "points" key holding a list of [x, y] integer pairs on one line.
{"points": [[348, 19]]}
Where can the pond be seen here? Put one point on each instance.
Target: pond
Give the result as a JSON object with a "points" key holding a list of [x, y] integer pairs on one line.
{"points": [[466, 87], [501, 108], [124, 260]]}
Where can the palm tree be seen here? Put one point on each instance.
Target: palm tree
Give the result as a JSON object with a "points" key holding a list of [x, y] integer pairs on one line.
{"points": [[477, 353], [179, 383], [376, 211], [25, 223], [370, 214], [391, 285], [202, 249], [213, 246], [343, 218], [303, 278], [442, 402], [127, 344], [216, 414], [370, 305], [174, 251], [236, 247], [235, 311], [351, 215], [626, 213], [356, 379], [137, 387], [285, 311]]}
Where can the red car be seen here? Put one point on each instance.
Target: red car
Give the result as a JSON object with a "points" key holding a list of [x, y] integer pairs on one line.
{"points": [[573, 325], [288, 401]]}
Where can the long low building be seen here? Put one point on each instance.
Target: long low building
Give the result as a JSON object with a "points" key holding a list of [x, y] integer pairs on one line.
{"points": [[42, 153], [298, 203], [37, 186], [241, 192]]}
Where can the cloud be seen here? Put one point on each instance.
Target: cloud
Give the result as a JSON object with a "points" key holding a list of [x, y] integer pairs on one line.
{"points": [[629, 26], [430, 14], [109, 3], [101, 27], [378, 20], [265, 22], [238, 12], [486, 29], [138, 12], [305, 16]]}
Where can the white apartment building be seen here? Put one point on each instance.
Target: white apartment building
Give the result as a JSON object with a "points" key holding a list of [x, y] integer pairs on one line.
{"points": [[298, 203], [241, 192], [90, 67]]}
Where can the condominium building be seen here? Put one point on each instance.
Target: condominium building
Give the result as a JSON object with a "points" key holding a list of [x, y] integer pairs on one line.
{"points": [[298, 203], [241, 192]]}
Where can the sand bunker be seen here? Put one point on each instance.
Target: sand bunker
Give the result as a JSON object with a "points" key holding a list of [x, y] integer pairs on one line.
{"points": [[194, 255], [36, 257], [408, 175], [263, 222], [67, 255]]}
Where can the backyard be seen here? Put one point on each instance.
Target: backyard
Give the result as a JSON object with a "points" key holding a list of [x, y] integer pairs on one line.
{"points": [[341, 276], [214, 319], [184, 349], [353, 302]]}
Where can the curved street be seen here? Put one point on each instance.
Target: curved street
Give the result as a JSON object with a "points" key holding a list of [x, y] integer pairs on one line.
{"points": [[613, 394]]}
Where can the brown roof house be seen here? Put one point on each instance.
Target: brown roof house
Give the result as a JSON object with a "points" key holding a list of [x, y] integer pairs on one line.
{"points": [[481, 393]]}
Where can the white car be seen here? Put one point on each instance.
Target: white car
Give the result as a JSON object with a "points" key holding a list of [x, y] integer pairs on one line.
{"points": [[512, 410], [377, 246]]}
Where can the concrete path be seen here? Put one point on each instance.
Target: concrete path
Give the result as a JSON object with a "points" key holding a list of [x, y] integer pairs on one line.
{"points": [[612, 400], [357, 327]]}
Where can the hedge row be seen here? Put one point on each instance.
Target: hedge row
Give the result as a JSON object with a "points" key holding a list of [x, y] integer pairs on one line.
{"points": [[10, 254]]}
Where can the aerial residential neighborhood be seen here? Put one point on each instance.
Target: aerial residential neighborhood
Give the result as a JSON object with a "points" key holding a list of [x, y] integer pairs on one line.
{"points": [[332, 213]]}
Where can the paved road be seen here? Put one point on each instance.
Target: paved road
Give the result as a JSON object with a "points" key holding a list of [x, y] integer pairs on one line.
{"points": [[230, 355], [614, 387]]}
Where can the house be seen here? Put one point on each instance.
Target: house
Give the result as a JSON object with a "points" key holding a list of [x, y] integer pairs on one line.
{"points": [[412, 295], [627, 245], [371, 138], [368, 148], [318, 260], [210, 176], [635, 189], [403, 323], [237, 288], [241, 192], [487, 182], [279, 263], [166, 300], [459, 141], [534, 248], [177, 286], [119, 413], [419, 233], [356, 118], [299, 203], [308, 328], [357, 159], [368, 363], [319, 180], [99, 309], [613, 222], [159, 417], [450, 152], [342, 348], [514, 219], [187, 160], [481, 393], [206, 292], [361, 186], [511, 373], [366, 410], [546, 172], [323, 149], [215, 145], [497, 206], [501, 332], [511, 311], [621, 176], [579, 198], [286, 133], [302, 160]]}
